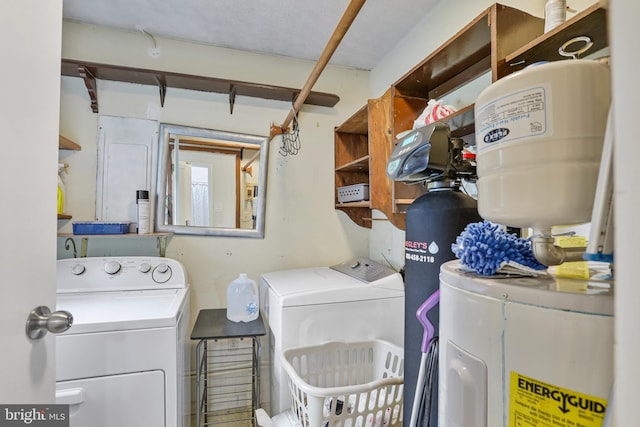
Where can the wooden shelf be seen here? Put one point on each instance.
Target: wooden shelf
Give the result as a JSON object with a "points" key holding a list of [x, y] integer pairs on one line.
{"points": [[90, 71], [109, 236], [428, 79], [358, 165], [591, 22], [362, 204], [64, 216], [67, 144], [501, 40], [358, 123], [352, 163], [478, 48]]}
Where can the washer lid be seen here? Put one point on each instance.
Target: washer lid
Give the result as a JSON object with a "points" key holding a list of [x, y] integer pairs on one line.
{"points": [[323, 285], [551, 292], [118, 311]]}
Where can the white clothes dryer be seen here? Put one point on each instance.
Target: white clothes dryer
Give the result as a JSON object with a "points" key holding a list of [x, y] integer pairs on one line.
{"points": [[354, 301], [125, 360]]}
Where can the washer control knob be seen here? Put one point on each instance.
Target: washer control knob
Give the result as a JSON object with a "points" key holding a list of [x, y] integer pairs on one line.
{"points": [[112, 267], [162, 273], [78, 269], [145, 267]]}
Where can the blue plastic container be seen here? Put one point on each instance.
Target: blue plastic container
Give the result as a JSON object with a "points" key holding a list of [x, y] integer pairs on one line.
{"points": [[100, 227]]}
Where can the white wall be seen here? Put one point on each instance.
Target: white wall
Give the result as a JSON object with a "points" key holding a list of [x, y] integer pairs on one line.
{"points": [[302, 227], [624, 18]]}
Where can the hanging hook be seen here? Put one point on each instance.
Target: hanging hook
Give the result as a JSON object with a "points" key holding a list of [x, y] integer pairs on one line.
{"points": [[67, 245]]}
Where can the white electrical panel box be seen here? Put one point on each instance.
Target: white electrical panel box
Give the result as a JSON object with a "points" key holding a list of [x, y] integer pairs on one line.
{"points": [[127, 162]]}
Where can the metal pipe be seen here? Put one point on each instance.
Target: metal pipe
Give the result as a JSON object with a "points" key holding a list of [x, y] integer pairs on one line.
{"points": [[547, 253]]}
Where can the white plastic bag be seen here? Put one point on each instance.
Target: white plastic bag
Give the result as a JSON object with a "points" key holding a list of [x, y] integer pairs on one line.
{"points": [[432, 113]]}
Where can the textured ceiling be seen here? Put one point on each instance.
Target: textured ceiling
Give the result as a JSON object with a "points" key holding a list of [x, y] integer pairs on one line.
{"points": [[294, 28]]}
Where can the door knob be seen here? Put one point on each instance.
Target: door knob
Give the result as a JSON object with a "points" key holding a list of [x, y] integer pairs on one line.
{"points": [[41, 320]]}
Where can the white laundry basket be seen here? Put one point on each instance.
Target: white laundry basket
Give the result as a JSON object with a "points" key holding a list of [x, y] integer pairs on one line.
{"points": [[356, 384]]}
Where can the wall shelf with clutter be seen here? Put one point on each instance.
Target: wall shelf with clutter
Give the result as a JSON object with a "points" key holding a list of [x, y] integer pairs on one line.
{"points": [[352, 164], [501, 40], [478, 48], [66, 144], [590, 22]]}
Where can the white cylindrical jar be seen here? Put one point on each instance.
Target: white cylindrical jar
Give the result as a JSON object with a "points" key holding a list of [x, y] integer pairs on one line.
{"points": [[555, 13], [143, 208]]}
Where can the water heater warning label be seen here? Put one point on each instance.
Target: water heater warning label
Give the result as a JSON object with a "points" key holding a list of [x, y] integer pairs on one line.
{"points": [[533, 403]]}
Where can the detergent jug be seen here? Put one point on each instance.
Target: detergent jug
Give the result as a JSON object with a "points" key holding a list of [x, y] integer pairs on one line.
{"points": [[242, 300]]}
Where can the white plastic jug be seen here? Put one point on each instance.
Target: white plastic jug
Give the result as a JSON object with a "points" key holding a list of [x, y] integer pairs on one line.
{"points": [[242, 300]]}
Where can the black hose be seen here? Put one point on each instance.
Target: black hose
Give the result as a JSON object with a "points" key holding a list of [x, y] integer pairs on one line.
{"points": [[427, 417]]}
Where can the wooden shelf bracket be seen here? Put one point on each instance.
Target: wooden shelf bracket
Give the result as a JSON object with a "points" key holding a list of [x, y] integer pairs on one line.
{"points": [[232, 97], [90, 83], [162, 87]]}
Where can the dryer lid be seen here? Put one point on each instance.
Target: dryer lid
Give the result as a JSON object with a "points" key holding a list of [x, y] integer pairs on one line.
{"points": [[324, 285]]}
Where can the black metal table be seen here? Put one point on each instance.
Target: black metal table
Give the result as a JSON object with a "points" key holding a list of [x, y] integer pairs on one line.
{"points": [[213, 325]]}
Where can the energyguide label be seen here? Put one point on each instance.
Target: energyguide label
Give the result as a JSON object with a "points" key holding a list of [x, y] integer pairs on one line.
{"points": [[533, 403]]}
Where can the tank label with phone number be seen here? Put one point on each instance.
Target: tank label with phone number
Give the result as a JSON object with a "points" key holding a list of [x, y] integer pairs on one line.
{"points": [[418, 251], [533, 403]]}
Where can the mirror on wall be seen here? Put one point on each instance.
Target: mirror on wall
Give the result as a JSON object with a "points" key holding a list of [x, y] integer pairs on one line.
{"points": [[211, 182]]}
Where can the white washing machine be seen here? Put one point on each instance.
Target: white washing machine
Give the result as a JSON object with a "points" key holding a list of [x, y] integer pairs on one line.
{"points": [[354, 301], [523, 351], [125, 360]]}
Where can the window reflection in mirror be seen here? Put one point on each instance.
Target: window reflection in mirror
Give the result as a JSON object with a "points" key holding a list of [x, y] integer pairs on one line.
{"points": [[211, 182]]}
